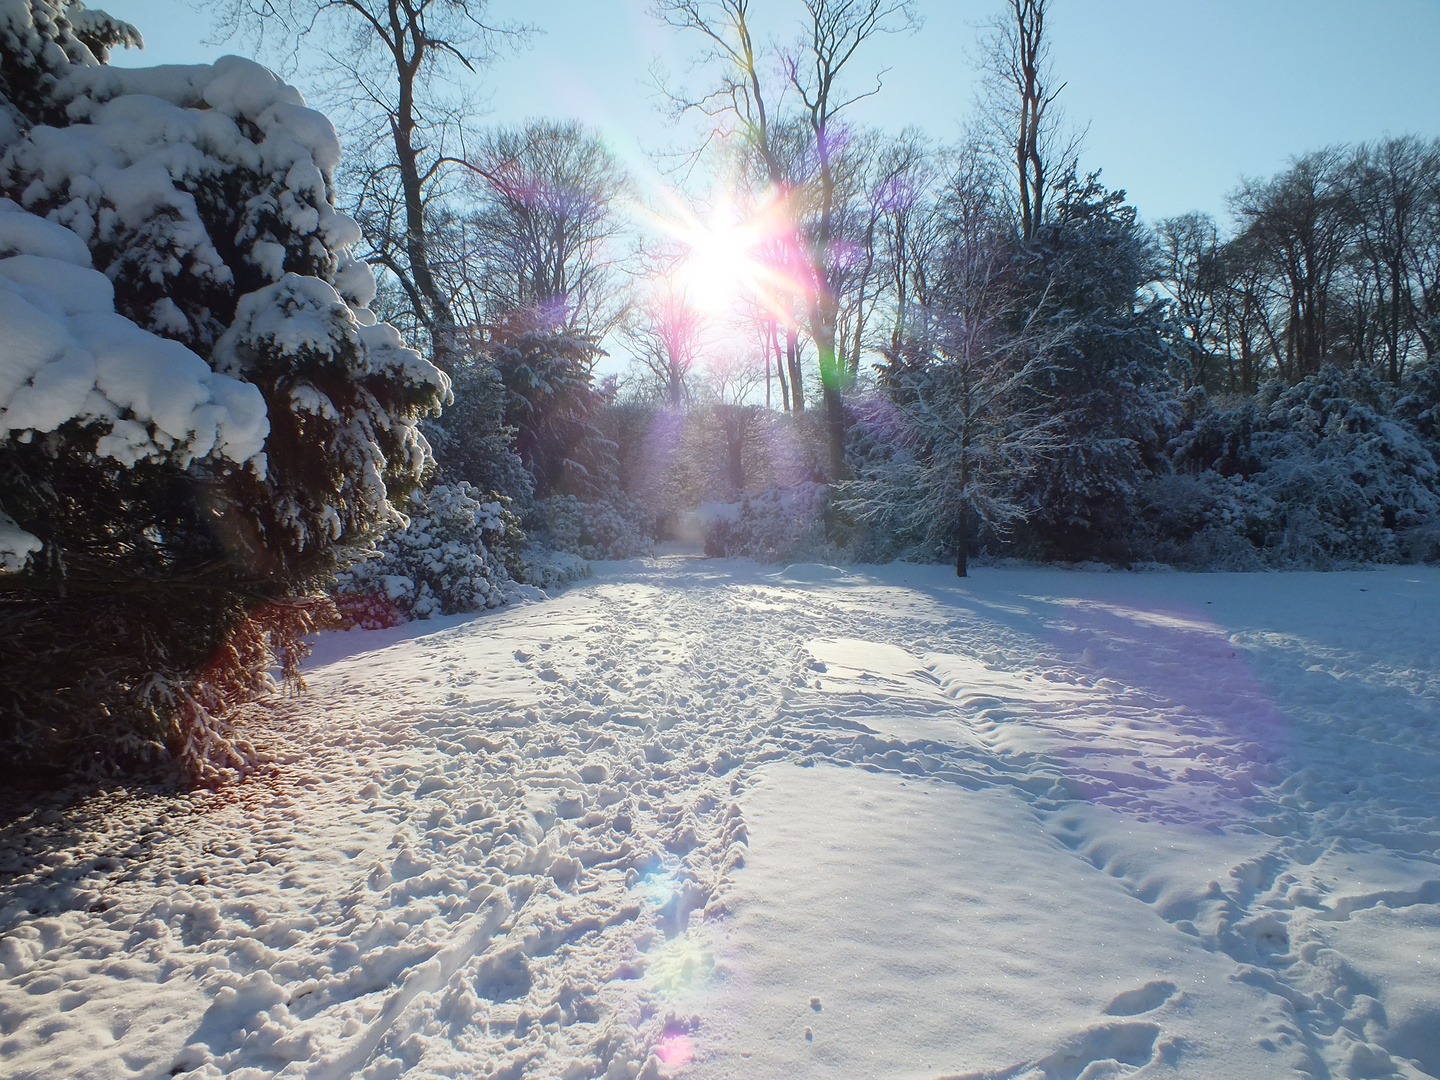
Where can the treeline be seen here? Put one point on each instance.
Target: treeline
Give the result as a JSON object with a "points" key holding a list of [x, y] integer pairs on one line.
{"points": [[1335, 260]]}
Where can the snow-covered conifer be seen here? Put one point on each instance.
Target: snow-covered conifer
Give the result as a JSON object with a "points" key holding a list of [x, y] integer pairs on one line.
{"points": [[200, 412], [1104, 385]]}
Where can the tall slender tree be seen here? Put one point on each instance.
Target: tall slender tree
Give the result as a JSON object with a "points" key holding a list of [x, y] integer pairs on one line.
{"points": [[389, 69], [1020, 118]]}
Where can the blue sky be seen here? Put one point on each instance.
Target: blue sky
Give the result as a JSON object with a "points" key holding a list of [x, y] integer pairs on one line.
{"points": [[1180, 99]]}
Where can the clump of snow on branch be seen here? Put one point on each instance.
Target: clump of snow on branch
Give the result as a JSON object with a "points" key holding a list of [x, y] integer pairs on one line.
{"points": [[152, 156], [16, 545], [299, 334], [69, 357]]}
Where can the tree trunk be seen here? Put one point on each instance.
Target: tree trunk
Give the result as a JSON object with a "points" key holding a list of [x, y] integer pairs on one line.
{"points": [[835, 427], [438, 319], [792, 360], [962, 546], [832, 383], [774, 345]]}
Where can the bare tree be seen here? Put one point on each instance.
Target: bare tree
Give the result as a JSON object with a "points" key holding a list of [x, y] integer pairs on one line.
{"points": [[1425, 264], [1191, 271], [910, 230], [837, 31], [546, 226], [745, 103], [1254, 337], [815, 69], [1392, 186], [1019, 112], [664, 337], [389, 68], [1302, 221]]}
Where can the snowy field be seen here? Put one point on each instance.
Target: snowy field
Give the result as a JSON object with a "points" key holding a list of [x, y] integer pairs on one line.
{"points": [[708, 819]]}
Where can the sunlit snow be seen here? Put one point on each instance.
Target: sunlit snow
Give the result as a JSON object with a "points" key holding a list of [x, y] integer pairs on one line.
{"points": [[708, 819]]}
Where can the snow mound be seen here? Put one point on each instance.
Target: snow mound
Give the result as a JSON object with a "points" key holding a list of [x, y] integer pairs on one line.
{"points": [[868, 657], [810, 574]]}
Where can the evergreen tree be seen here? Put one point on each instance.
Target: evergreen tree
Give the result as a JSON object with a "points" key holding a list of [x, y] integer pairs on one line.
{"points": [[1104, 386], [209, 416], [553, 403]]}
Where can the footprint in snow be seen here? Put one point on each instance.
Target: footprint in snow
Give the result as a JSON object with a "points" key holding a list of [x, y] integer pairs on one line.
{"points": [[1124, 1043], [1147, 998]]}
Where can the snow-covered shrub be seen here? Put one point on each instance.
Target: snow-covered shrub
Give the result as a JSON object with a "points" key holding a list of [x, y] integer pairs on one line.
{"points": [[883, 504], [612, 527], [1419, 404], [1324, 471], [546, 568], [199, 413], [553, 403], [451, 557], [1353, 482], [471, 440], [775, 525], [1210, 521]]}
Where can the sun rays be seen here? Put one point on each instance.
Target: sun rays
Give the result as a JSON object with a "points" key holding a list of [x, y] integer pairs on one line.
{"points": [[733, 257]]}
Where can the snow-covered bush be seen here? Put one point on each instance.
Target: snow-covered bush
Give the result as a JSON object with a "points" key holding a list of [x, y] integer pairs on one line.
{"points": [[612, 527], [200, 413], [1419, 404], [1354, 483], [1327, 470], [553, 402], [451, 557], [546, 568], [775, 525], [471, 440]]}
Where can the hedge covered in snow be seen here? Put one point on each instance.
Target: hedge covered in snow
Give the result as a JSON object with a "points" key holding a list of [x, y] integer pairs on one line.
{"points": [[600, 528], [775, 525], [1334, 469]]}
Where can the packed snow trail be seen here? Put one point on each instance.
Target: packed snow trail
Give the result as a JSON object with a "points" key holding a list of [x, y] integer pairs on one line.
{"points": [[708, 819]]}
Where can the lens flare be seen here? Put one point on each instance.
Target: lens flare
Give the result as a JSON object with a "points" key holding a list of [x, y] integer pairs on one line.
{"points": [[720, 263], [734, 256], [675, 1050]]}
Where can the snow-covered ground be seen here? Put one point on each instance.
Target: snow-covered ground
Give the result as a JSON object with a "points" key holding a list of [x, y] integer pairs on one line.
{"points": [[713, 820]]}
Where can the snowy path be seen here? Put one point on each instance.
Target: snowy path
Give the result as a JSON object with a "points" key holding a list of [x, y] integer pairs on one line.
{"points": [[705, 819]]}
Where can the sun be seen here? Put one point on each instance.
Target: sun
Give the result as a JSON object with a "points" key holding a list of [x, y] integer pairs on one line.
{"points": [[729, 256], [719, 264]]}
